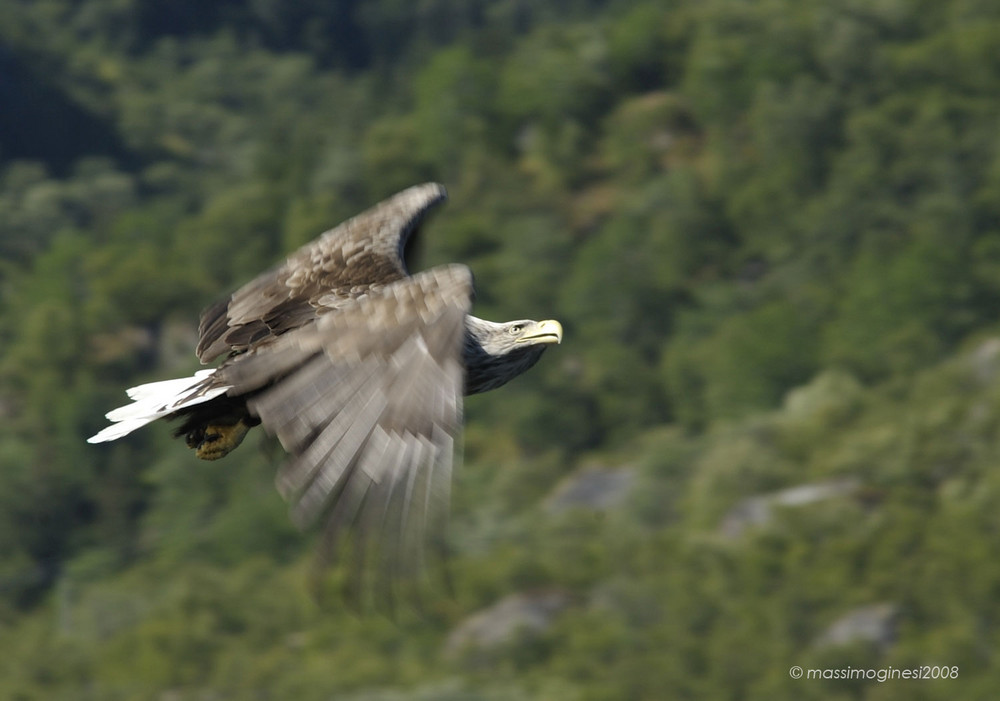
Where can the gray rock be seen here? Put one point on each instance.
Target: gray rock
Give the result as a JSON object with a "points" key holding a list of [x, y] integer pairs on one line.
{"points": [[529, 613], [985, 359], [597, 488], [875, 624], [758, 510]]}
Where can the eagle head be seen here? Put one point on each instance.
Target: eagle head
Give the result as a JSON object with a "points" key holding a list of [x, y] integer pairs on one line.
{"points": [[496, 353]]}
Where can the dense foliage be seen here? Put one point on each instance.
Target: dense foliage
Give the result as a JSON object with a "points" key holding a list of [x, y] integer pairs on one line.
{"points": [[772, 232]]}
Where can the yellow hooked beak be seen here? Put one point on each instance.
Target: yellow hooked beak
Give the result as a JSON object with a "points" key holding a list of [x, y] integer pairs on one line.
{"points": [[548, 331]]}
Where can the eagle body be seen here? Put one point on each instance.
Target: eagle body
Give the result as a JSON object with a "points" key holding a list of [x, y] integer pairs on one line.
{"points": [[359, 368]]}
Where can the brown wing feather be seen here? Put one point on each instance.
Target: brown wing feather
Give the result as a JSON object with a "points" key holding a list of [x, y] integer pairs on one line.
{"points": [[346, 261], [368, 402]]}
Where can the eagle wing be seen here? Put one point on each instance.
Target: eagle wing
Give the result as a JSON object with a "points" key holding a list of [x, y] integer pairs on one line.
{"points": [[365, 251], [368, 403]]}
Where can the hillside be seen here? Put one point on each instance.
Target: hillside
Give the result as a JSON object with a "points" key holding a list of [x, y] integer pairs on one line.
{"points": [[771, 231]]}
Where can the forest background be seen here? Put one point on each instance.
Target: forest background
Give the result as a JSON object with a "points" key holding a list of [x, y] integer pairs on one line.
{"points": [[770, 438]]}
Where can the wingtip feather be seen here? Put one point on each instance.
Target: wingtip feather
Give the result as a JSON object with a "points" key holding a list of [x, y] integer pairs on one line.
{"points": [[155, 400]]}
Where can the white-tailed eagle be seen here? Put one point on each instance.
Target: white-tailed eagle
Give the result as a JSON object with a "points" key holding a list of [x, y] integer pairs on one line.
{"points": [[359, 369]]}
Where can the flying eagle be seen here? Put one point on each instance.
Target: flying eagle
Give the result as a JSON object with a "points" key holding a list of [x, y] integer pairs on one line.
{"points": [[359, 369]]}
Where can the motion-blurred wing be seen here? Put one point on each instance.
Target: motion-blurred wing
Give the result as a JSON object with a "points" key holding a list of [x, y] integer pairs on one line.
{"points": [[368, 402], [364, 251]]}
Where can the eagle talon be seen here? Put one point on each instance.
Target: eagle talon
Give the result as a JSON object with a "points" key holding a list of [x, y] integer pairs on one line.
{"points": [[217, 441], [194, 437]]}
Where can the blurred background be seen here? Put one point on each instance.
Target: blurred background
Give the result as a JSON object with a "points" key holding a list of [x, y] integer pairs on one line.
{"points": [[770, 437]]}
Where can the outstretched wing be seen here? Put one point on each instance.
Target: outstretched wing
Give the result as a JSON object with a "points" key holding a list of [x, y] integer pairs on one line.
{"points": [[362, 252], [368, 402]]}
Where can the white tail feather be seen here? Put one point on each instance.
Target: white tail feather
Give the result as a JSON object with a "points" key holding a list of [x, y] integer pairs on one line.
{"points": [[155, 400]]}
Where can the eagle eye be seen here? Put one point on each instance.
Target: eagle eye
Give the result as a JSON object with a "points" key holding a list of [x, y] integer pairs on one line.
{"points": [[516, 329]]}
